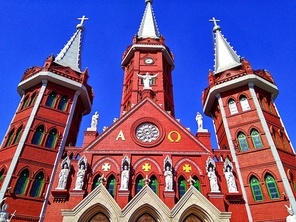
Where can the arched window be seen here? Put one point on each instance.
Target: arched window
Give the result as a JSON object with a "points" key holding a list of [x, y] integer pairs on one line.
{"points": [[244, 103], [18, 135], [96, 182], [9, 139], [275, 138], [256, 189], [22, 182], [284, 140], [51, 139], [37, 185], [51, 99], [139, 183], [196, 183], [111, 185], [181, 186], [270, 106], [271, 187], [38, 135], [232, 107], [32, 100], [25, 102], [154, 184], [293, 180], [1, 175], [262, 102], [257, 143], [63, 103], [243, 143]]}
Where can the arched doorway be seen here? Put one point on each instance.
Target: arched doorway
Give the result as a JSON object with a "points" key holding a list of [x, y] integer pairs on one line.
{"points": [[100, 217], [146, 218], [192, 218]]}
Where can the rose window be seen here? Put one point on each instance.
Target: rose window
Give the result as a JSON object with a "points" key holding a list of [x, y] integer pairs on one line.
{"points": [[147, 132]]}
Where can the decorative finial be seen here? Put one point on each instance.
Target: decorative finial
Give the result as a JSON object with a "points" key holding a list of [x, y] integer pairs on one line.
{"points": [[80, 25], [216, 26], [146, 1]]}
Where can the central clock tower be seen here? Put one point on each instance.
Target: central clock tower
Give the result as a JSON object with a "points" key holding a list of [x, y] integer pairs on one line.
{"points": [[148, 55]]}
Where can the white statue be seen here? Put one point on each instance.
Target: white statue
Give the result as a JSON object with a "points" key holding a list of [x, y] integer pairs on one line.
{"points": [[125, 174], [94, 120], [199, 121], [168, 179], [230, 180], [168, 174], [82, 164], [292, 216], [147, 80], [191, 181], [63, 176], [228, 172], [146, 180], [102, 179], [211, 166], [124, 178], [4, 215], [213, 180]]}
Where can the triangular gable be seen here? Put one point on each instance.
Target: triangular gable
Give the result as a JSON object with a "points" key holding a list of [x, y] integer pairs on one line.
{"points": [[144, 200], [88, 207], [120, 133], [206, 210]]}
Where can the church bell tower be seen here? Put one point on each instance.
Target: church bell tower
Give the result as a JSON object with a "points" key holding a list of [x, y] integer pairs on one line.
{"points": [[148, 65], [241, 102], [54, 99]]}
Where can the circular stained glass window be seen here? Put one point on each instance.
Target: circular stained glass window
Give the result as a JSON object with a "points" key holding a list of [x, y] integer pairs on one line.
{"points": [[147, 132]]}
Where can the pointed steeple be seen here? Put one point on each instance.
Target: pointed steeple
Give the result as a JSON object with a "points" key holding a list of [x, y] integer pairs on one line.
{"points": [[148, 27], [225, 56], [70, 55]]}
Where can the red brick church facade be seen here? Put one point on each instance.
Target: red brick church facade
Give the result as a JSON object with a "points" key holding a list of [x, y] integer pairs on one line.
{"points": [[147, 166]]}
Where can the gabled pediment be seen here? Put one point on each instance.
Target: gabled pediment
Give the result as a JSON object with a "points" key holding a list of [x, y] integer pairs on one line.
{"points": [[146, 201], [99, 200], [193, 199], [123, 134]]}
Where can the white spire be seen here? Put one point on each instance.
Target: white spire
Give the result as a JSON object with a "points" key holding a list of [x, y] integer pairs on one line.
{"points": [[148, 27], [225, 56], [70, 55]]}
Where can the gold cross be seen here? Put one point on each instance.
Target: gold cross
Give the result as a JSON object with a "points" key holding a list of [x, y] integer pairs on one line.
{"points": [[106, 167], [146, 167], [187, 168]]}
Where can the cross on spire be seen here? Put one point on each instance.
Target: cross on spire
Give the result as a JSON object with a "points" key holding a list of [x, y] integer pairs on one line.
{"points": [[80, 25], [214, 20], [83, 18], [216, 26]]}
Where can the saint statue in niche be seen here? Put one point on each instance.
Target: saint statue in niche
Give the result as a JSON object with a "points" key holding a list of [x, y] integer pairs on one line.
{"points": [[63, 176], [125, 174], [211, 168], [82, 165]]}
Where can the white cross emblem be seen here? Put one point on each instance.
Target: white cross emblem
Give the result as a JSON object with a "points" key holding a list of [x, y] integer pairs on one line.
{"points": [[106, 167]]}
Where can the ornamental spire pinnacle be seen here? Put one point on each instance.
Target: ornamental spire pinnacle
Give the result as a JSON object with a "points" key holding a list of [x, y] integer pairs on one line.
{"points": [[148, 27], [225, 56], [70, 55]]}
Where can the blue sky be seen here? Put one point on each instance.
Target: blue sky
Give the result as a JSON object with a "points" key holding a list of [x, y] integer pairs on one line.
{"points": [[261, 31]]}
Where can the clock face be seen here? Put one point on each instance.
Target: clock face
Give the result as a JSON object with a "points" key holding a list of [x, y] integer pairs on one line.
{"points": [[147, 132], [149, 61]]}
